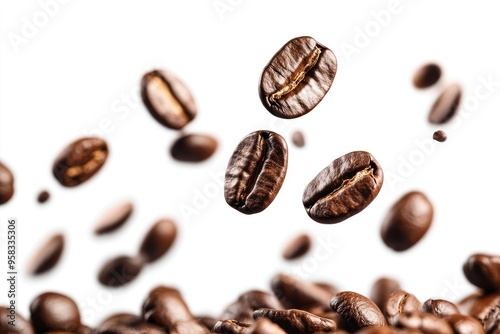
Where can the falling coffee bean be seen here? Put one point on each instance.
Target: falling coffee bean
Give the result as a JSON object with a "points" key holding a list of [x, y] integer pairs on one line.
{"points": [[256, 171], [120, 271], [427, 75], [344, 188], [298, 139], [79, 161], [297, 77], [6, 184], [439, 136], [53, 311], [357, 310], [22, 326], [297, 247], [297, 321], [114, 218], [43, 196], [158, 240], [483, 270], [193, 148], [446, 106], [47, 256]]}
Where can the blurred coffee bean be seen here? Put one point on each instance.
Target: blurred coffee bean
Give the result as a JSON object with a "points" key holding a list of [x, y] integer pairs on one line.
{"points": [[446, 105], [357, 310], [400, 302], [483, 270], [53, 311], [464, 324], [439, 136], [47, 256], [440, 307], [122, 323], [120, 271], [158, 240], [193, 148], [381, 290], [242, 309], [6, 184], [483, 307], [295, 293], [298, 139], [297, 247], [297, 321], [8, 317], [427, 323], [426, 75], [207, 321], [114, 218], [43, 196], [230, 327]]}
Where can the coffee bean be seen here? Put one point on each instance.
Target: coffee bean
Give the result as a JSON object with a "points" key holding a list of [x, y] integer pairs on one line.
{"points": [[242, 309], [446, 106], [193, 148], [158, 240], [298, 139], [126, 323], [120, 271], [382, 289], [297, 77], [398, 303], [6, 184], [53, 311], [464, 324], [440, 307], [230, 327], [297, 247], [407, 221], [256, 171], [167, 99], [295, 293], [439, 136], [263, 325], [427, 323], [427, 75], [79, 161], [207, 321], [330, 288], [297, 321], [43, 196], [483, 307], [357, 310], [22, 326], [344, 188], [114, 218], [379, 330], [483, 270], [47, 256]]}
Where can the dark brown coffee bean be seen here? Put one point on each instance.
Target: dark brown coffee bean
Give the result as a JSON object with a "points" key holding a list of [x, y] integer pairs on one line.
{"points": [[47, 256], [295, 293], [53, 311], [427, 75], [126, 323], [114, 218], [256, 171], [158, 240], [446, 106], [344, 188], [464, 324], [427, 323], [242, 309], [382, 289], [120, 271], [440, 307], [483, 270], [79, 161], [407, 221], [207, 321], [483, 307], [330, 288], [263, 325], [167, 99], [193, 148], [298, 139], [230, 327], [6, 184], [297, 321], [357, 310], [43, 196], [9, 317], [400, 302], [297, 78], [297, 247], [439, 136]]}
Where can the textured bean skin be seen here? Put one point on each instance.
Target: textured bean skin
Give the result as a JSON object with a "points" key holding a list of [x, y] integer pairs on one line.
{"points": [[400, 302], [297, 321], [483, 270], [440, 307]]}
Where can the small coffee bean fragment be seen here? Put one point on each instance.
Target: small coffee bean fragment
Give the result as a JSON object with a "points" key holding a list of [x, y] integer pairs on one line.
{"points": [[43, 196], [398, 303], [427, 75], [193, 148], [53, 311], [297, 321], [297, 247], [427, 323], [114, 218], [298, 139], [122, 323], [464, 324], [483, 270], [440, 136], [47, 256], [256, 171], [382, 289], [120, 271], [158, 240], [446, 106], [22, 326], [357, 310], [407, 221], [299, 294], [6, 184], [440, 307], [242, 309]]}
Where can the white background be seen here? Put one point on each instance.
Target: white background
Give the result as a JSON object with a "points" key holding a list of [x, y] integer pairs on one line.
{"points": [[76, 72]]}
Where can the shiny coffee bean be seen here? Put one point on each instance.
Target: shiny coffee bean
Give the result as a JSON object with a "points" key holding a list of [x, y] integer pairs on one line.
{"points": [[483, 307], [398, 303], [242, 309], [483, 270], [439, 136], [297, 247], [158, 240], [344, 188], [114, 218], [120, 271], [230, 327], [21, 325], [6, 184], [357, 310], [297, 321], [43, 196], [446, 106], [440, 307], [79, 161], [295, 293], [464, 324], [193, 148], [126, 323], [382, 289], [427, 75], [427, 323], [297, 78], [167, 99], [407, 221], [256, 171], [53, 311], [47, 256], [298, 139]]}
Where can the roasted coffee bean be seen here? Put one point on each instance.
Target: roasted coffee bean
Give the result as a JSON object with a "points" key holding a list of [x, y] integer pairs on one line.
{"points": [[440, 307], [43, 196], [446, 106], [242, 309], [297, 77], [256, 171], [344, 188], [483, 270], [22, 326], [330, 288], [114, 218], [297, 247], [483, 307], [207, 321], [167, 99], [230, 327], [6, 184], [158, 240], [297, 321], [53, 311], [407, 221], [427, 323], [382, 289], [376, 330], [398, 303], [126, 323], [439, 136], [464, 324], [427, 75], [47, 256], [357, 310], [79, 161], [193, 148], [298, 139], [120, 271], [263, 325], [295, 293]]}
